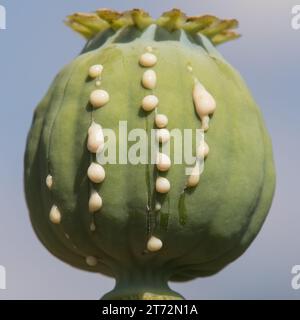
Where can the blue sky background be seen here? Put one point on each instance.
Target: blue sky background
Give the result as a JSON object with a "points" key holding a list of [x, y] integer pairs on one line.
{"points": [[33, 49]]}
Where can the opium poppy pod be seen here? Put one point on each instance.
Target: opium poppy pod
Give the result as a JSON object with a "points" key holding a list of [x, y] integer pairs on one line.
{"points": [[147, 223]]}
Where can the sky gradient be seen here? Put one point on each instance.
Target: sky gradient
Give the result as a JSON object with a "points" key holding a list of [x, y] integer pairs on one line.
{"points": [[34, 48]]}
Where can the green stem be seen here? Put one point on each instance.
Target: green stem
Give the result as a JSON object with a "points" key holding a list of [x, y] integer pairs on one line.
{"points": [[141, 286]]}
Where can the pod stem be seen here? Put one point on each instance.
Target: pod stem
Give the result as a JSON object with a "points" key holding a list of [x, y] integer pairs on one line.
{"points": [[142, 294], [214, 28], [141, 286]]}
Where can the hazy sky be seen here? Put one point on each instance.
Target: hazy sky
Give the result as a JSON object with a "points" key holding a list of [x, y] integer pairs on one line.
{"points": [[33, 49]]}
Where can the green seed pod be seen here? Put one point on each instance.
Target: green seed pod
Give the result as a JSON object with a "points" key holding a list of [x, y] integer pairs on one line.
{"points": [[146, 224]]}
